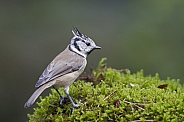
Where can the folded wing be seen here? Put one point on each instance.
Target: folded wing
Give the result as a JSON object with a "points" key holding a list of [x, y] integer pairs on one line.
{"points": [[55, 70]]}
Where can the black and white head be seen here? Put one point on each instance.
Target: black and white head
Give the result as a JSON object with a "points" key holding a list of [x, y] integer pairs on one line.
{"points": [[82, 44]]}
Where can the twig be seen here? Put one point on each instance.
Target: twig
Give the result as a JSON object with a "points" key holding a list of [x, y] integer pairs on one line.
{"points": [[144, 121], [134, 105], [107, 97]]}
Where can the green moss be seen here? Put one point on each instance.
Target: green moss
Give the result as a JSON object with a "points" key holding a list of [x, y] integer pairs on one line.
{"points": [[116, 95]]}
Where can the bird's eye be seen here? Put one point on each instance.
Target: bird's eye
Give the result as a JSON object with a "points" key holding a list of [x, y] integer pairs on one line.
{"points": [[88, 44]]}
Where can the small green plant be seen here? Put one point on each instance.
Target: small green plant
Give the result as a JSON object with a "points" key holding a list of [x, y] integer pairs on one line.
{"points": [[116, 95]]}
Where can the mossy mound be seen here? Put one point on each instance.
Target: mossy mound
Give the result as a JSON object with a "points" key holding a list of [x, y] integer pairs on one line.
{"points": [[116, 95]]}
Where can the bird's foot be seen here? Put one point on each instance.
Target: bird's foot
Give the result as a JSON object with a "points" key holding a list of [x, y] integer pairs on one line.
{"points": [[75, 106], [62, 98]]}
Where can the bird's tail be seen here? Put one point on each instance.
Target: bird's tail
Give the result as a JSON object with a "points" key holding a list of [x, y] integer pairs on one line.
{"points": [[35, 95]]}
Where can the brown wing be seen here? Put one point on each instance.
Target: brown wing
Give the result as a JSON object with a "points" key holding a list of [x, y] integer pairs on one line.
{"points": [[58, 69]]}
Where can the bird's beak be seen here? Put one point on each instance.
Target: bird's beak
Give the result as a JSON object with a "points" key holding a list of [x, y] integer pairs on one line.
{"points": [[97, 47]]}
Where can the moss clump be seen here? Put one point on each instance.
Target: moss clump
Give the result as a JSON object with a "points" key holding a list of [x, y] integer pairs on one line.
{"points": [[116, 95]]}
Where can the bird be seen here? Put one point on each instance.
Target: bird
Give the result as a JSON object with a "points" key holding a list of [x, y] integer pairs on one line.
{"points": [[65, 68]]}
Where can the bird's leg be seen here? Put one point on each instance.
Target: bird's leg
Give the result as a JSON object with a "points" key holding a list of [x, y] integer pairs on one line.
{"points": [[61, 96], [73, 104]]}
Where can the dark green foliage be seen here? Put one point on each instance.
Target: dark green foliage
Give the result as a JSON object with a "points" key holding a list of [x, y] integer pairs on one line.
{"points": [[116, 95]]}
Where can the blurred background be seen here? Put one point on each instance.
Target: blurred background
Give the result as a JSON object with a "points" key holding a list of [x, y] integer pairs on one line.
{"points": [[133, 34]]}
